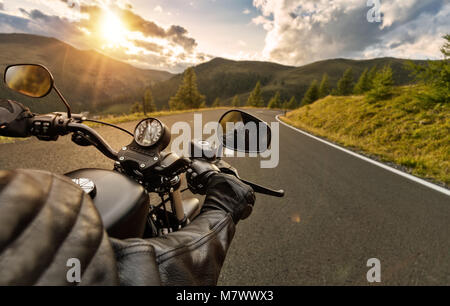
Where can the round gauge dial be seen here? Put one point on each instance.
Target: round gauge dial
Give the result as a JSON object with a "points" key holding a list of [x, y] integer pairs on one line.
{"points": [[148, 132]]}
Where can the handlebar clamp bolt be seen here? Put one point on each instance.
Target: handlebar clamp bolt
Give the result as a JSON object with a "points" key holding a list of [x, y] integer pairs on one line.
{"points": [[124, 148], [121, 158], [142, 165]]}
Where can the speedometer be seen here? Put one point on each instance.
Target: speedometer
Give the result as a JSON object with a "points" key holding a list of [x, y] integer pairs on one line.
{"points": [[149, 132]]}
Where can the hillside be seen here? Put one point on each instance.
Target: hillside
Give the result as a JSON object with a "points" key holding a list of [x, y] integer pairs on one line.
{"points": [[403, 130], [89, 80], [97, 83], [225, 78]]}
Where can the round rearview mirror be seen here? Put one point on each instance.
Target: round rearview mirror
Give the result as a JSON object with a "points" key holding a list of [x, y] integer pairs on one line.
{"points": [[240, 131], [31, 80]]}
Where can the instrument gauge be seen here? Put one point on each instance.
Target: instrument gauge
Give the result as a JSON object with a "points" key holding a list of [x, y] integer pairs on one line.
{"points": [[149, 132]]}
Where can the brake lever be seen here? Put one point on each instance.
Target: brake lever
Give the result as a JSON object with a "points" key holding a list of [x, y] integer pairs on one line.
{"points": [[263, 190], [228, 169]]}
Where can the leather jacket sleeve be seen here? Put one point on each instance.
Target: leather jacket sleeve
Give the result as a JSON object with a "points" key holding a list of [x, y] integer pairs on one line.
{"points": [[195, 254], [192, 256], [45, 220]]}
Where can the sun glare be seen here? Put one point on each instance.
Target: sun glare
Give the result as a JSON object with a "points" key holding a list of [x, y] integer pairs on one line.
{"points": [[113, 30]]}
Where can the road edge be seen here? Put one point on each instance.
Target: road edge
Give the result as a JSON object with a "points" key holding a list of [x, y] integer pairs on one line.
{"points": [[369, 160]]}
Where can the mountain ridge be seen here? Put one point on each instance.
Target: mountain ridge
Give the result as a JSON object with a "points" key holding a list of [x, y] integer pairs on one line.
{"points": [[102, 84], [89, 80], [225, 78]]}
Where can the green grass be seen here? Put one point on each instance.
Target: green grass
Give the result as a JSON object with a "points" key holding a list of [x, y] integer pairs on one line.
{"points": [[403, 130]]}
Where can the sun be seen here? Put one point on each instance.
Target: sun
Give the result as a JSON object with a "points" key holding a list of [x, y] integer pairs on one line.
{"points": [[113, 30]]}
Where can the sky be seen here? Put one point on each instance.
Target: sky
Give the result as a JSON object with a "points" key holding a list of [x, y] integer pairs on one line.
{"points": [[174, 34]]}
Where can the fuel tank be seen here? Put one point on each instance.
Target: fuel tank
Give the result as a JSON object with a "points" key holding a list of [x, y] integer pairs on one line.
{"points": [[122, 203]]}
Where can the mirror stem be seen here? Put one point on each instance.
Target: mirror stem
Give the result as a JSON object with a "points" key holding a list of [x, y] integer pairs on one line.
{"points": [[69, 112]]}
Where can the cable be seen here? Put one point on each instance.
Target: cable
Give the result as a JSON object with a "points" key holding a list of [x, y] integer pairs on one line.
{"points": [[111, 125]]}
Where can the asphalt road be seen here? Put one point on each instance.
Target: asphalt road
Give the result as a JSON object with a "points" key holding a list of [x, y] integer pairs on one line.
{"points": [[339, 211]]}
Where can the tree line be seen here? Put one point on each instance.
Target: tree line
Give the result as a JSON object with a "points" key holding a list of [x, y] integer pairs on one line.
{"points": [[376, 84]]}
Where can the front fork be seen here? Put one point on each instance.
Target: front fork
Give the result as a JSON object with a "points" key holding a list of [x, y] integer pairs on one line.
{"points": [[177, 201], [184, 210]]}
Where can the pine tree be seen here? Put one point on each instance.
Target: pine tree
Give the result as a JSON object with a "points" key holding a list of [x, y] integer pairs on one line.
{"points": [[236, 102], [435, 76], [364, 83], [292, 104], [256, 98], [382, 85], [149, 103], [324, 89], [188, 96], [275, 102], [216, 103], [312, 94], [136, 108], [371, 75], [345, 84]]}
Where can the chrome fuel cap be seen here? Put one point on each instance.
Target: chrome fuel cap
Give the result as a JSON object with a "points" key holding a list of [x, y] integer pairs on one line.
{"points": [[87, 185]]}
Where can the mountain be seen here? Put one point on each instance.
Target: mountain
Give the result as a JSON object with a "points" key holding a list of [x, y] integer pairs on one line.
{"points": [[89, 80], [94, 82], [225, 78]]}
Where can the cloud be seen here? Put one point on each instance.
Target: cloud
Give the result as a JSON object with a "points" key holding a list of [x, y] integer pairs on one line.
{"points": [[246, 12], [2, 6], [144, 42], [11, 24], [242, 43], [36, 22], [302, 31], [158, 9]]}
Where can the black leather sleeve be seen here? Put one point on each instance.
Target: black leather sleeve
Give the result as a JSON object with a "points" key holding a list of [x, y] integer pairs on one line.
{"points": [[45, 220], [195, 254], [191, 257]]}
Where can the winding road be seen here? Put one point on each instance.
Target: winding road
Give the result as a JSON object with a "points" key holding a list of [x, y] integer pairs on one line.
{"points": [[338, 212]]}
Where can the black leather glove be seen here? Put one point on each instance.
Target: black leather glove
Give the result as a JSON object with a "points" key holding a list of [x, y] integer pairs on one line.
{"points": [[198, 175], [14, 119], [226, 192]]}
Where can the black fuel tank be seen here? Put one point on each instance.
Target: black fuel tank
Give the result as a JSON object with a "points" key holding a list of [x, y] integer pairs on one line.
{"points": [[123, 204]]}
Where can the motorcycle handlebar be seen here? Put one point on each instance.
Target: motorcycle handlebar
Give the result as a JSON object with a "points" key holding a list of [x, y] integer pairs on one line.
{"points": [[51, 126], [97, 139]]}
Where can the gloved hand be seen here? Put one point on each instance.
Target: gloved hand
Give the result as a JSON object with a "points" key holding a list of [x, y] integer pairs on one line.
{"points": [[226, 192], [13, 119], [198, 175]]}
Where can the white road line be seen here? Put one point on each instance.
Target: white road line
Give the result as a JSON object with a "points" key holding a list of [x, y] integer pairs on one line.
{"points": [[374, 162]]}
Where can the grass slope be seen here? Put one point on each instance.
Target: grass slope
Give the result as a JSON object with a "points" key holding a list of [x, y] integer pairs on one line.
{"points": [[402, 130]]}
